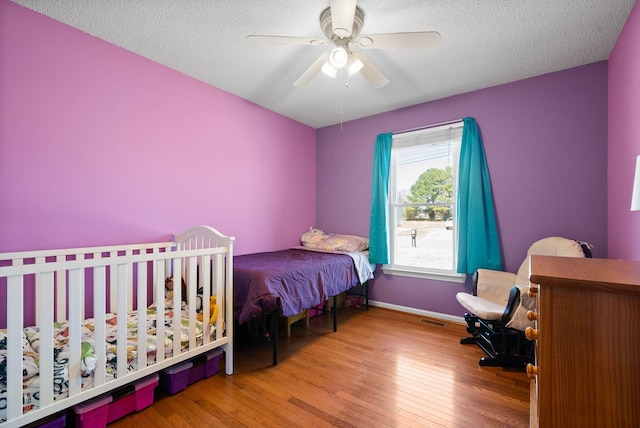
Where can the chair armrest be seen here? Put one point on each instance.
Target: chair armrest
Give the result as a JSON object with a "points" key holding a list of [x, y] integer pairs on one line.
{"points": [[493, 285], [515, 315]]}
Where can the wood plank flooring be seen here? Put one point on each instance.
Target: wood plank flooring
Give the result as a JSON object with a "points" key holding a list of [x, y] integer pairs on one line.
{"points": [[382, 368]]}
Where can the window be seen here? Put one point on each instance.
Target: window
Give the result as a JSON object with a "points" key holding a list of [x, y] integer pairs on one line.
{"points": [[422, 202]]}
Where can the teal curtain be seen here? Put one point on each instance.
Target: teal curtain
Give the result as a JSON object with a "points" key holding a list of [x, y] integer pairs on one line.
{"points": [[478, 243], [379, 225]]}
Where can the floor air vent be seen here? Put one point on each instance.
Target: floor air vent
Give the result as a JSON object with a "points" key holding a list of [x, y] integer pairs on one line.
{"points": [[434, 322]]}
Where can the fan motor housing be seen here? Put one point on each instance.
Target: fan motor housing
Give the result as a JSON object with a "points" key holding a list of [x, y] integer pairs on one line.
{"points": [[327, 28]]}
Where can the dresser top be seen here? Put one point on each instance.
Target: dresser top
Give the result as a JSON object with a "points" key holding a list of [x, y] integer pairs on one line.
{"points": [[620, 276]]}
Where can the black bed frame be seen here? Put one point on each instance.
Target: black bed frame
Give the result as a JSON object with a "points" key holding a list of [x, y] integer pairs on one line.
{"points": [[272, 335]]}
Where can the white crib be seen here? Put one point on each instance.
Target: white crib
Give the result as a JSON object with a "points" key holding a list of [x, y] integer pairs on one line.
{"points": [[65, 296]]}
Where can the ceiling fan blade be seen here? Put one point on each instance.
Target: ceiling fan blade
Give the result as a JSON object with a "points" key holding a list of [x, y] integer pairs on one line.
{"points": [[371, 72], [286, 40], [342, 15], [311, 72], [422, 40]]}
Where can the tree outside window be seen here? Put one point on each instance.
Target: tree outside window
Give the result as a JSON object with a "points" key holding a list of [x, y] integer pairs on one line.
{"points": [[422, 198]]}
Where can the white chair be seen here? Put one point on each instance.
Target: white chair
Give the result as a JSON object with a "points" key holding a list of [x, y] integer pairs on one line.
{"points": [[497, 308]]}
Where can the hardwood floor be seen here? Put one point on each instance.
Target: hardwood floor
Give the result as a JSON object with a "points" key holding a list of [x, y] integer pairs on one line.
{"points": [[381, 369]]}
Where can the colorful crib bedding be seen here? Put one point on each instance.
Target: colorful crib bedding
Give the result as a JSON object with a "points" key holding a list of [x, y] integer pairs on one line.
{"points": [[31, 341]]}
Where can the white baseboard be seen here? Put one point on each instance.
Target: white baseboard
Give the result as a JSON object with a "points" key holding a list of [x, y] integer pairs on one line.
{"points": [[437, 315]]}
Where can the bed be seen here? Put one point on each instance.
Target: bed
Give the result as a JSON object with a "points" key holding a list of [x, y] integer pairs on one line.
{"points": [[63, 336], [286, 283]]}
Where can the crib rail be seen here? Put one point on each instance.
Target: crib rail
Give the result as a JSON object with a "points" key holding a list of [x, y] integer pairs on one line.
{"points": [[63, 256], [76, 284]]}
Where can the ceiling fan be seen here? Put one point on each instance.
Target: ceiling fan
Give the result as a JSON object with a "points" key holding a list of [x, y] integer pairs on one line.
{"points": [[341, 23]]}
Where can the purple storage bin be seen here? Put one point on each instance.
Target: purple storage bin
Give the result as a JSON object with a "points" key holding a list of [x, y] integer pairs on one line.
{"points": [[54, 421], [176, 378], [206, 367], [107, 408]]}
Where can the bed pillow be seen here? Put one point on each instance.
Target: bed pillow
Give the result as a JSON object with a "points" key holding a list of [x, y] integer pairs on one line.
{"points": [[317, 239], [312, 238]]}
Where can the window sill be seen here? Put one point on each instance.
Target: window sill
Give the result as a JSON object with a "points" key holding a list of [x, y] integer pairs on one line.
{"points": [[449, 277]]}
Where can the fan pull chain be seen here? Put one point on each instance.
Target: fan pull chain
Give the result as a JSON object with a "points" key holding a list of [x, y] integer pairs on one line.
{"points": [[341, 96]]}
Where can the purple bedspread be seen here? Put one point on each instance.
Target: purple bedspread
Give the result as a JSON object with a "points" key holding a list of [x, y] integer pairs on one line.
{"points": [[288, 281]]}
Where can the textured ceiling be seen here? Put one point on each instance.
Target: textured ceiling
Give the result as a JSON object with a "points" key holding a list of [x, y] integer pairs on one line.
{"points": [[484, 43]]}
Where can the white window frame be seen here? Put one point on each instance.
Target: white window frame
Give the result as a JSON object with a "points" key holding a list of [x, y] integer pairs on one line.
{"points": [[432, 135]]}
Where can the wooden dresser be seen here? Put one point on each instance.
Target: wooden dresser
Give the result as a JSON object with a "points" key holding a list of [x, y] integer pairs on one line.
{"points": [[587, 352]]}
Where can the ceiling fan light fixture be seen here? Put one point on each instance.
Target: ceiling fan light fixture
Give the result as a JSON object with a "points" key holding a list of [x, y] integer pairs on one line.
{"points": [[329, 70], [354, 65], [338, 57]]}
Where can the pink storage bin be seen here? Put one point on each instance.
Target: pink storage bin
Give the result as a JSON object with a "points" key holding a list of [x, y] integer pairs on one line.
{"points": [[107, 408]]}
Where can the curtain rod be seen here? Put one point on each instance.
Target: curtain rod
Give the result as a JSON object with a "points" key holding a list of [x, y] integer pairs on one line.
{"points": [[427, 127]]}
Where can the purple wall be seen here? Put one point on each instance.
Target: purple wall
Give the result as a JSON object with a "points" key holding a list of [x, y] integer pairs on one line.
{"points": [[624, 140], [546, 145], [100, 146]]}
